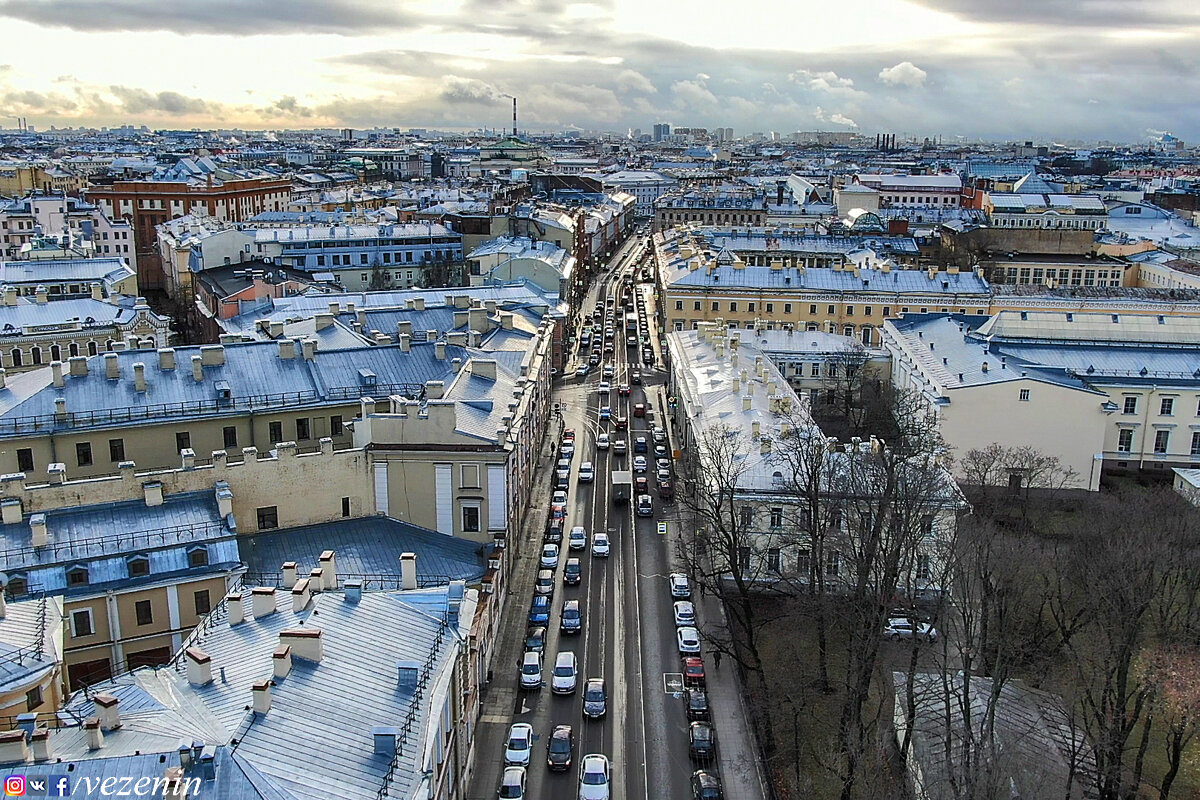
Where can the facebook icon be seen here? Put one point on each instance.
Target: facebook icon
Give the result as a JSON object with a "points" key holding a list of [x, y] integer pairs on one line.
{"points": [[58, 786]]}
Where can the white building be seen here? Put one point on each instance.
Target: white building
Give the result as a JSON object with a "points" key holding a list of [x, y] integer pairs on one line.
{"points": [[58, 215], [645, 185], [915, 191]]}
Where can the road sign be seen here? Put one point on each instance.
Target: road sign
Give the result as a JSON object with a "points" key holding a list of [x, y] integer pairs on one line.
{"points": [[673, 682], [662, 529]]}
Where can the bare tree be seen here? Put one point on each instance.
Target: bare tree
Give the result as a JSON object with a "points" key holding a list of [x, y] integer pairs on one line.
{"points": [[1002, 480]]}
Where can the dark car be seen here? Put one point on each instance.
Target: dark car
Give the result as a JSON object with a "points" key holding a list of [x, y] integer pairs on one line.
{"points": [[539, 610], [696, 703], [559, 748], [665, 490], [554, 532], [702, 741], [639, 442], [693, 672], [573, 572], [640, 485], [706, 785], [595, 698], [572, 617], [535, 639]]}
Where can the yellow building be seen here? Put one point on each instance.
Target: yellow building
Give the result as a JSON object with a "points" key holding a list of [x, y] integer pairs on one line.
{"points": [[30, 657]]}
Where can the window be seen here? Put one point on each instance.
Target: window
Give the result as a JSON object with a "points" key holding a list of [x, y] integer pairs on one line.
{"points": [[16, 357], [1196, 443], [145, 614], [832, 565], [335, 425], [275, 432], [1161, 439], [18, 585], [733, 305], [116, 450], [832, 309], [922, 572], [33, 698], [777, 517], [803, 560], [812, 309], [202, 602], [198, 556], [37, 355], [867, 311], [849, 311], [77, 576], [814, 370], [746, 516], [302, 429], [229, 436], [138, 566], [183, 441], [1024, 395], [25, 459], [81, 623], [470, 519], [345, 506], [770, 308], [744, 558], [773, 559], [716, 306], [268, 517], [469, 476], [750, 307], [679, 305], [887, 311], [83, 453], [1130, 405], [1125, 440], [1167, 406], [787, 308], [696, 306]]}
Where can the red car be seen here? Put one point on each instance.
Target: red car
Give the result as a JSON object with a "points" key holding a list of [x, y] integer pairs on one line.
{"points": [[665, 490], [622, 423], [569, 433], [693, 672], [641, 485], [639, 410]]}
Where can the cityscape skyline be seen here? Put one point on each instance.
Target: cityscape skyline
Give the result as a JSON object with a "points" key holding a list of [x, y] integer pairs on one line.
{"points": [[1045, 71]]}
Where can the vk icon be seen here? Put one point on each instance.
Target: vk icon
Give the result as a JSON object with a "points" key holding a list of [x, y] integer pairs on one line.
{"points": [[35, 785], [58, 786]]}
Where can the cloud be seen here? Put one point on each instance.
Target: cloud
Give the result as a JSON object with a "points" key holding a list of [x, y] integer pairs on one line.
{"points": [[694, 94], [634, 81], [837, 118], [139, 101], [903, 74], [288, 106], [456, 90], [1143, 14], [820, 81]]}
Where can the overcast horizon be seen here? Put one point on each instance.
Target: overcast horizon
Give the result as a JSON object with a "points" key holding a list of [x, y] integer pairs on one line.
{"points": [[1027, 69]]}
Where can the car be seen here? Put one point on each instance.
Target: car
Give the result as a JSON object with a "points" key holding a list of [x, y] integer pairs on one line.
{"points": [[560, 747], [549, 556], [531, 670], [702, 741], [666, 490], [635, 377], [582, 370], [693, 672], [577, 538], [512, 784], [602, 441], [639, 409], [645, 505], [539, 610], [604, 387], [554, 532], [595, 698], [565, 675], [662, 463], [567, 448], [544, 583], [535, 638], [641, 485], [569, 433], [624, 390], [695, 703], [706, 785], [595, 777], [685, 613], [681, 587], [659, 435], [608, 349], [620, 422], [520, 743], [639, 464], [600, 545], [907, 629], [594, 359], [572, 617], [558, 511], [587, 472], [564, 463], [662, 475], [647, 358], [605, 413], [687, 639], [660, 451], [631, 341], [572, 572], [559, 497], [639, 444], [562, 478], [609, 371]]}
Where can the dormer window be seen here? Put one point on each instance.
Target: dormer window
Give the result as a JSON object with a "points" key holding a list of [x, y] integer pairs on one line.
{"points": [[198, 556], [18, 585], [138, 565], [77, 575]]}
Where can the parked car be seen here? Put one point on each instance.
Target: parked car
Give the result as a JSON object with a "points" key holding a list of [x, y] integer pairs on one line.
{"points": [[620, 447], [535, 638], [662, 475], [687, 639], [645, 505], [539, 610], [559, 749], [512, 784], [666, 490], [520, 743], [660, 451], [696, 705], [554, 531], [641, 485], [907, 629], [577, 538], [706, 785], [702, 741], [562, 478], [544, 583], [567, 448], [565, 675], [595, 698], [600, 545], [587, 472], [572, 617], [569, 433], [681, 587], [639, 464], [639, 409], [639, 444], [595, 776], [685, 613], [549, 556], [660, 436], [531, 670], [693, 672], [572, 572]]}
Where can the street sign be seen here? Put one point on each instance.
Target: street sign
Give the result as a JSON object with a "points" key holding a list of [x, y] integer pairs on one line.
{"points": [[673, 682], [662, 529]]}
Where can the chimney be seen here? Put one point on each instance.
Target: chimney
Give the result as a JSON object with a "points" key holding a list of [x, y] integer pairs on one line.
{"points": [[10, 511], [405, 344], [404, 327], [747, 402], [287, 349], [262, 601], [408, 570], [439, 350], [166, 358], [139, 377], [40, 739], [108, 709], [435, 390], [479, 320], [455, 364], [199, 667], [236, 607], [419, 303], [42, 295], [224, 498], [353, 590], [328, 570], [10, 295], [37, 526], [460, 319], [454, 597], [324, 321], [282, 660], [300, 595], [14, 748], [261, 692], [197, 368], [78, 365], [408, 674], [335, 308], [310, 349], [384, 737], [306, 643], [291, 573], [57, 472], [755, 428], [95, 735], [764, 445], [57, 372], [2, 373], [212, 355], [153, 491], [484, 368]]}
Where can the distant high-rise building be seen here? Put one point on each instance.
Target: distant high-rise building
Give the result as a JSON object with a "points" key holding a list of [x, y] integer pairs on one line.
{"points": [[661, 131]]}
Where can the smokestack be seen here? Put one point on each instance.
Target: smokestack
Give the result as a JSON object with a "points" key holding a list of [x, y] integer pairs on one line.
{"points": [[514, 117]]}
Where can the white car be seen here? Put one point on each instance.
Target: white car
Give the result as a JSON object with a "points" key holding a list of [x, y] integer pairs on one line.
{"points": [[604, 388], [680, 587], [565, 675], [685, 613], [602, 441], [688, 639], [595, 776], [620, 447], [587, 472], [567, 449], [662, 475], [531, 670], [512, 785], [639, 463], [549, 556], [520, 745], [600, 544], [577, 538], [900, 628], [660, 436]]}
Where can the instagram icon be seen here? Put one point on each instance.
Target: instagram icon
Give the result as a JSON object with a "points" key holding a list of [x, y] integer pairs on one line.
{"points": [[14, 786]]}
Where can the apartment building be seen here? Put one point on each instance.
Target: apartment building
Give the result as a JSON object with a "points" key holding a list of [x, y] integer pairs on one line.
{"points": [[709, 208], [1046, 211], [19, 178], [195, 242], [70, 278], [1059, 270], [25, 218], [914, 191], [31, 678], [515, 258], [646, 186]]}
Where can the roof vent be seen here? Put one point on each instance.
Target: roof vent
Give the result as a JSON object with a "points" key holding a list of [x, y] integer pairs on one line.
{"points": [[366, 378]]}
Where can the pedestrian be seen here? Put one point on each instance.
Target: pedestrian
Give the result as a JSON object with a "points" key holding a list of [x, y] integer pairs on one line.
{"points": [[717, 659]]}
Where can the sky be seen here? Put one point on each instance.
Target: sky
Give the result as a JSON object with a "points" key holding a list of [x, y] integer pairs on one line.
{"points": [[1048, 70]]}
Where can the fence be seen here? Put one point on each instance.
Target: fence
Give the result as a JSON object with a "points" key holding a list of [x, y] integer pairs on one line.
{"points": [[116, 543]]}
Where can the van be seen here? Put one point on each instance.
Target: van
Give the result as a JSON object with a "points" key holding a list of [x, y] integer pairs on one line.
{"points": [[572, 617], [531, 670]]}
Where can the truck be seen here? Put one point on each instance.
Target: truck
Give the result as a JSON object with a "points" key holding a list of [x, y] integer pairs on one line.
{"points": [[622, 486]]}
